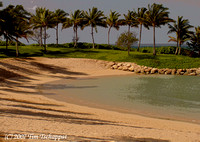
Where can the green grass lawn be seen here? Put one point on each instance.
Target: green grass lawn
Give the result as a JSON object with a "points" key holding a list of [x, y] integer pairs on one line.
{"points": [[147, 59]]}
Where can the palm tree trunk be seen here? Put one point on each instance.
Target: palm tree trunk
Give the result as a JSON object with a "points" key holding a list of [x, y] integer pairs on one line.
{"points": [[76, 36], [57, 34], [17, 50], [40, 36], [154, 41], [176, 48], [129, 29], [45, 35], [179, 52], [140, 37], [6, 44], [128, 49], [92, 37], [109, 35]]}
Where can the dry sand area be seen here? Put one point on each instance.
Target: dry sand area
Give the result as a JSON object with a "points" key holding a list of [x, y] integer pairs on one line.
{"points": [[23, 110]]}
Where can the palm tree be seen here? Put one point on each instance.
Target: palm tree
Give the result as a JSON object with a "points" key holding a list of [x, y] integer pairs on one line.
{"points": [[7, 23], [44, 18], [21, 24], [112, 21], [94, 18], [35, 20], [180, 42], [22, 31], [130, 20], [156, 16], [75, 20], [59, 17], [194, 43], [181, 28], [140, 17]]}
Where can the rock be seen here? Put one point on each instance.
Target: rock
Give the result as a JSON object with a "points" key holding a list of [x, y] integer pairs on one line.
{"points": [[128, 65], [119, 64], [179, 70], [181, 73], [168, 71], [110, 64], [142, 70], [188, 71], [161, 71], [147, 70], [115, 67], [173, 71], [154, 70], [120, 68], [125, 68], [131, 68], [198, 72], [192, 74], [138, 70]]}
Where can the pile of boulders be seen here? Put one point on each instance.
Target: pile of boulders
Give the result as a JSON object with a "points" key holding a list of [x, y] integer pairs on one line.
{"points": [[132, 67]]}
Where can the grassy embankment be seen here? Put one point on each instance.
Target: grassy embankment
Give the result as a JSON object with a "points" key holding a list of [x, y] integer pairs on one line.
{"points": [[147, 59]]}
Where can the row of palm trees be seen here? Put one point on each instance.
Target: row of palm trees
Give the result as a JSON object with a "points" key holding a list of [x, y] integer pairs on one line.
{"points": [[16, 22]]}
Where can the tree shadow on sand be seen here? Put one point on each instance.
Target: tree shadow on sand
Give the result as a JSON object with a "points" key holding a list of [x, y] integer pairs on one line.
{"points": [[55, 69]]}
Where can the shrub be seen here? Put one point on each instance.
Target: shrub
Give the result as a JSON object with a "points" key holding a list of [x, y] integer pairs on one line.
{"points": [[11, 43], [166, 50], [125, 40], [146, 50]]}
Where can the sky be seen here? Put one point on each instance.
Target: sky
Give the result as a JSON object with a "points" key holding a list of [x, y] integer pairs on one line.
{"points": [[189, 9]]}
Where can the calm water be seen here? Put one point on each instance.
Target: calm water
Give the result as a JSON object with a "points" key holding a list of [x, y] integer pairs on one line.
{"points": [[167, 97]]}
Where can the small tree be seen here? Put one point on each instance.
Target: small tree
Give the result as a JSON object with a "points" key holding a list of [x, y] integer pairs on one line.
{"points": [[36, 36], [126, 39]]}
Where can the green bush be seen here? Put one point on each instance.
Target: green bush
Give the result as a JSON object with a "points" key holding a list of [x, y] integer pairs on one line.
{"points": [[34, 44], [188, 52], [146, 50], [10, 43], [106, 46], [84, 45], [166, 50]]}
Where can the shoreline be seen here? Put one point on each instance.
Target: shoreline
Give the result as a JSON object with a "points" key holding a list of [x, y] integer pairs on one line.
{"points": [[23, 110]]}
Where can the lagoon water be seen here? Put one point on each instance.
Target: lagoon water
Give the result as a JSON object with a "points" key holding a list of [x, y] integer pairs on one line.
{"points": [[160, 96]]}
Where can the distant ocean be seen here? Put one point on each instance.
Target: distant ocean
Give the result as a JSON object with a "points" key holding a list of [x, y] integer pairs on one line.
{"points": [[158, 45]]}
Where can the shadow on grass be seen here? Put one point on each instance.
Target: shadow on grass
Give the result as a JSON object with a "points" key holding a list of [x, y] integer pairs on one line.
{"points": [[143, 56], [71, 51]]}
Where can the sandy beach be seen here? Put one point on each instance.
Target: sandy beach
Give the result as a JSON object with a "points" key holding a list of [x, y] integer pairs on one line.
{"points": [[25, 111]]}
